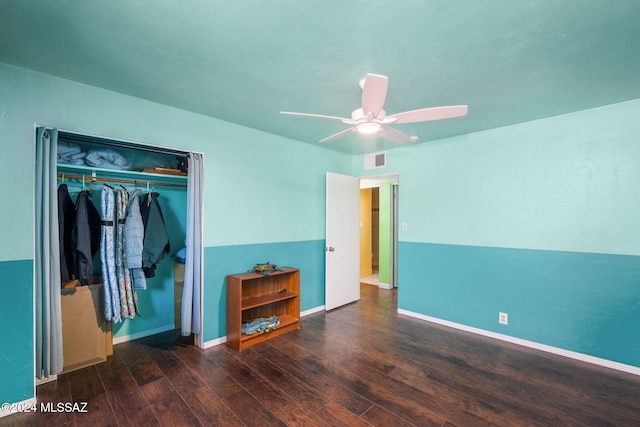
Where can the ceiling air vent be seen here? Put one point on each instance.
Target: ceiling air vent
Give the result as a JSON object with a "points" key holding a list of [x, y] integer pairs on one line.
{"points": [[375, 160]]}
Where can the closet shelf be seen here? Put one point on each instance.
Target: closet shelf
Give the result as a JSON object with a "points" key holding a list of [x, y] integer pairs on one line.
{"points": [[266, 299], [117, 173], [286, 323]]}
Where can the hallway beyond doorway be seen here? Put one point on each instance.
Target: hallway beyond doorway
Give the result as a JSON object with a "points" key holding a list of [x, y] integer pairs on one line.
{"points": [[378, 230], [374, 279]]}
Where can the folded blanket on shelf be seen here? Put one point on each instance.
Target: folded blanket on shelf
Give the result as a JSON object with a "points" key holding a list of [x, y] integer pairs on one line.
{"points": [[262, 324], [65, 148], [70, 154], [73, 159], [107, 159]]}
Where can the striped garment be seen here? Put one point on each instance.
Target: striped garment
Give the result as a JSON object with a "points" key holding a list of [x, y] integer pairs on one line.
{"points": [[127, 306], [108, 257]]}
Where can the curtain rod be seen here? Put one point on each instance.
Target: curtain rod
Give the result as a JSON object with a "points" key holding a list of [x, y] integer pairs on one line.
{"points": [[90, 179]]}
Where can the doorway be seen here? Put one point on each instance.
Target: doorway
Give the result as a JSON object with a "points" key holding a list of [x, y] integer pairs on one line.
{"points": [[379, 230]]}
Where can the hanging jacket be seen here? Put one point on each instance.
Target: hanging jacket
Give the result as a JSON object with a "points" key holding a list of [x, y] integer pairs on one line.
{"points": [[139, 283], [85, 237], [134, 233], [134, 242], [156, 238], [66, 216]]}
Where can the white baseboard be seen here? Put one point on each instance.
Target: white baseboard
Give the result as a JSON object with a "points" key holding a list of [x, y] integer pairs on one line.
{"points": [[14, 408], [384, 285], [223, 340], [213, 343], [531, 344], [40, 381], [143, 334], [312, 310]]}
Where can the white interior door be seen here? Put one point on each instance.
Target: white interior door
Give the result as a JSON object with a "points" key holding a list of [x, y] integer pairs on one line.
{"points": [[342, 260]]}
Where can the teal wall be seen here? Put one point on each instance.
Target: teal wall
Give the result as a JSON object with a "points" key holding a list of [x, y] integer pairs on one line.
{"points": [[564, 183], [16, 311], [220, 261], [582, 302], [259, 189], [539, 220]]}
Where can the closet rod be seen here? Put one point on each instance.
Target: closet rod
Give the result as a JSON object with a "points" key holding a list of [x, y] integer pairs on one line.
{"points": [[90, 179]]}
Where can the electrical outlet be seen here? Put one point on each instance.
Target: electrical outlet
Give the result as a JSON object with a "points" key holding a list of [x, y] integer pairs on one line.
{"points": [[503, 318]]}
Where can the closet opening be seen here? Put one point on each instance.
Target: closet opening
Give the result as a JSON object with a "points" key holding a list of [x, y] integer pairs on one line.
{"points": [[123, 219]]}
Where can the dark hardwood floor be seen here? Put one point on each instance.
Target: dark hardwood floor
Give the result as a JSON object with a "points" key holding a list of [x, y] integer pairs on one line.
{"points": [[358, 365]]}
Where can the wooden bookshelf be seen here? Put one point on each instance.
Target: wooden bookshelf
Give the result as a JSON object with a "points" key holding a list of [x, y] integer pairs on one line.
{"points": [[252, 295]]}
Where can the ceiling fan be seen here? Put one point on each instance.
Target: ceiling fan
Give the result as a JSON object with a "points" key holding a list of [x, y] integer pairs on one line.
{"points": [[372, 119]]}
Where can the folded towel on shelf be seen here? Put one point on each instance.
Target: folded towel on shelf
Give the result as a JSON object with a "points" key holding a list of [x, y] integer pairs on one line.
{"points": [[108, 159]]}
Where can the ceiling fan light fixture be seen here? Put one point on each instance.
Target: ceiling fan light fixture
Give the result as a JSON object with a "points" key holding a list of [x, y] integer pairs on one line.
{"points": [[368, 128], [371, 117]]}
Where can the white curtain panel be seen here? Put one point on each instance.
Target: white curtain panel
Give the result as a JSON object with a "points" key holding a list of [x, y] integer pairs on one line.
{"points": [[193, 269], [47, 257]]}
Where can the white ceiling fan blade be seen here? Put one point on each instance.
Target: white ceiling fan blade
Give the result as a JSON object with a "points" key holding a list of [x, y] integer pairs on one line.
{"points": [[315, 116], [429, 114], [374, 93], [338, 135], [395, 135]]}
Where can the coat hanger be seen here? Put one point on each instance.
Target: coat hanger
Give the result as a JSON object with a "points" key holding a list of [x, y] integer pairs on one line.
{"points": [[93, 181], [148, 195], [108, 184]]}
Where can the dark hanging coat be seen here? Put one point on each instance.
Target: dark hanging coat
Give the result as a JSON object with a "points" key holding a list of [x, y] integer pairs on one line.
{"points": [[85, 237], [66, 216], [156, 238]]}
